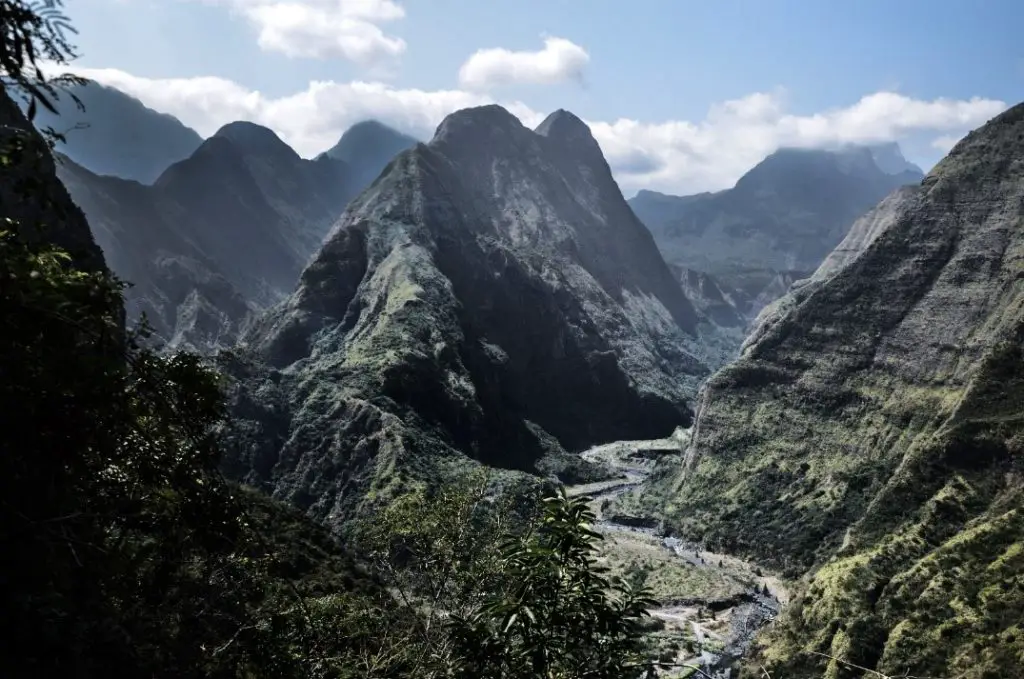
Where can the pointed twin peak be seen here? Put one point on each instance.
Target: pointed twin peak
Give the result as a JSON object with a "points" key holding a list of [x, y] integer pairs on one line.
{"points": [[492, 124], [564, 127]]}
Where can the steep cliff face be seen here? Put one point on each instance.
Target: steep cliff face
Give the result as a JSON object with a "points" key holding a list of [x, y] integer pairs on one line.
{"points": [[491, 295], [861, 235], [872, 438], [218, 236], [117, 135], [779, 221]]}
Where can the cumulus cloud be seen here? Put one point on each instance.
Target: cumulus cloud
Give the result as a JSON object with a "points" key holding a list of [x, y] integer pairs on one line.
{"points": [[323, 29], [675, 156], [311, 120], [735, 135], [559, 61]]}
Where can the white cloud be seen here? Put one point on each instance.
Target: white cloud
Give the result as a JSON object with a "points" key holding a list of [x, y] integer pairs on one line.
{"points": [[946, 142], [559, 61], [674, 156], [311, 120], [323, 29], [686, 157]]}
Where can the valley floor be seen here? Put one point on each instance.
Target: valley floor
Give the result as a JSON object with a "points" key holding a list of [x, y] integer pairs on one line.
{"points": [[711, 605]]}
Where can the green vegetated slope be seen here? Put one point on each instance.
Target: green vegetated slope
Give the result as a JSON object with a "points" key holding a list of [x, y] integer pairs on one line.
{"points": [[872, 438]]}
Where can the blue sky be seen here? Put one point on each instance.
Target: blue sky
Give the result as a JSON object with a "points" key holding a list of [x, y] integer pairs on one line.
{"points": [[653, 77]]}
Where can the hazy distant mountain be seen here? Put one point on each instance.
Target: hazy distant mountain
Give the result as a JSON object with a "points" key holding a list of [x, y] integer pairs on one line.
{"points": [[860, 236], [367, 147], [491, 295], [889, 158], [780, 220], [121, 136], [218, 235]]}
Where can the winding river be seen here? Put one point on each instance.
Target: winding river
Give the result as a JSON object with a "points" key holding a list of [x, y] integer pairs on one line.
{"points": [[720, 630]]}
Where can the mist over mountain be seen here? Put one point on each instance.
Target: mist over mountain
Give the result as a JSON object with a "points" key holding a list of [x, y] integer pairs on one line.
{"points": [[117, 134], [491, 296], [779, 221], [889, 159]]}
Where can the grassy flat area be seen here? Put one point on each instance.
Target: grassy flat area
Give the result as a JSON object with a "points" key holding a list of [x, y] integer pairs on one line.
{"points": [[669, 577]]}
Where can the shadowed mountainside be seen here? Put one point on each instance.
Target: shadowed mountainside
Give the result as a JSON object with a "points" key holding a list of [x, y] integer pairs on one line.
{"points": [[221, 234]]}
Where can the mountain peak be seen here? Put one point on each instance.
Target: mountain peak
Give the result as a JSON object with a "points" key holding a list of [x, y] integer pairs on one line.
{"points": [[254, 138], [373, 138], [116, 134], [566, 127], [478, 124], [889, 158], [780, 166], [562, 122]]}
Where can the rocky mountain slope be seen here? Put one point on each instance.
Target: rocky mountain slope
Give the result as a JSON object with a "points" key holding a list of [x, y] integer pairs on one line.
{"points": [[872, 438], [117, 135], [218, 235], [779, 221], [367, 147], [492, 296]]}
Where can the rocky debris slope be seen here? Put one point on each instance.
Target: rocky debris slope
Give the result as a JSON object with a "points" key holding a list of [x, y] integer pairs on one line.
{"points": [[116, 134], [779, 221], [218, 236], [871, 439], [491, 295]]}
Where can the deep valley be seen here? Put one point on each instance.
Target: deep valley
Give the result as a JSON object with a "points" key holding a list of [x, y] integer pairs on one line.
{"points": [[379, 382]]}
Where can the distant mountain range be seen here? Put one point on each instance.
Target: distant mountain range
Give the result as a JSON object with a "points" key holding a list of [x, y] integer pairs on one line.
{"points": [[117, 134], [779, 221], [367, 147], [218, 234]]}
